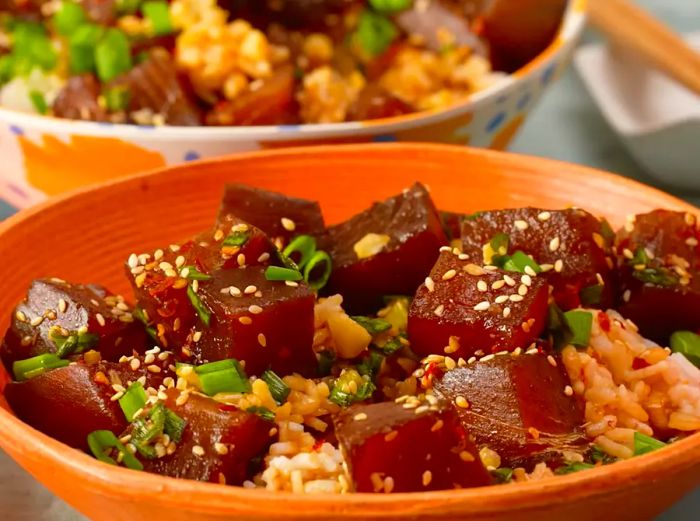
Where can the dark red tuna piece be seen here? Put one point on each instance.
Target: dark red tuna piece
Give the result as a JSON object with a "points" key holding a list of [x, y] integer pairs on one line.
{"points": [[54, 309], [266, 324], [272, 103], [391, 448], [228, 437], [71, 402], [279, 216], [153, 84], [659, 263], [572, 246], [484, 310], [386, 250], [519, 406], [161, 280], [78, 99]]}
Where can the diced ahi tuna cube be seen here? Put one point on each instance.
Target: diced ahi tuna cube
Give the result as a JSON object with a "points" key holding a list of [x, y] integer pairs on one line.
{"points": [[54, 310], [266, 324], [659, 259], [573, 248], [484, 310], [161, 280], [391, 448], [521, 406], [279, 216], [218, 441], [385, 250], [71, 402]]}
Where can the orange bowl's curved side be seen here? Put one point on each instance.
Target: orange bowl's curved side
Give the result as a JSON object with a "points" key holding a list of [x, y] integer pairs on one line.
{"points": [[87, 235]]}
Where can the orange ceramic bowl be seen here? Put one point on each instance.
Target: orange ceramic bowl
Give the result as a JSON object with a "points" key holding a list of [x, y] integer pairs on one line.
{"points": [[85, 236]]}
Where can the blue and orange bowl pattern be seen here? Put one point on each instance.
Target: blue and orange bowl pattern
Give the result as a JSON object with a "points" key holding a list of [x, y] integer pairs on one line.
{"points": [[44, 156]]}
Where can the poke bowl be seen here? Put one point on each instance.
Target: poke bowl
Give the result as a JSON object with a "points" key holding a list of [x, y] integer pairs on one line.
{"points": [[378, 72], [427, 408]]}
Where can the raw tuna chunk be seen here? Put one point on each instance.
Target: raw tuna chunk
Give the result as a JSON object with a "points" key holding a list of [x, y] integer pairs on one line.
{"points": [[161, 280], [229, 439], [658, 259], [391, 448], [573, 248], [518, 406], [53, 310], [487, 311], [71, 402], [279, 216], [78, 99], [266, 324], [385, 250]]}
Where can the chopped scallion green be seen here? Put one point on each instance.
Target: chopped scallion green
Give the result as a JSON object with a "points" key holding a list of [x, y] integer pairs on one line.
{"points": [[591, 295], [82, 45], [301, 249], [580, 323], [278, 389], [37, 365], [236, 239], [100, 441], [375, 32], [117, 98], [573, 467], [279, 273], [224, 376], [319, 260], [371, 365], [72, 342], [68, 18], [390, 6], [644, 444], [518, 261], [374, 326], [39, 102], [686, 343], [325, 362], [112, 55], [499, 243], [158, 14], [194, 274], [263, 412], [133, 400], [202, 311], [174, 426], [503, 474]]}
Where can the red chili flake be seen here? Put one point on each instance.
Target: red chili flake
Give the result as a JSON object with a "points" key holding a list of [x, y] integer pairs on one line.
{"points": [[227, 408], [639, 363], [318, 444], [604, 321]]}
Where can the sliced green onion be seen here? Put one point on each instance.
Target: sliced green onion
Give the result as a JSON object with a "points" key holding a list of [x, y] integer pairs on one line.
{"points": [[117, 98], [573, 467], [591, 295], [644, 444], [320, 258], [499, 243], [7, 67], [148, 429], [72, 342], [37, 365], [304, 246], [503, 474], [607, 232], [375, 32], [194, 274], [393, 345], [174, 425], [518, 261], [133, 400], [158, 14], [371, 365], [263, 412], [202, 311], [325, 362], [32, 47], [558, 327], [640, 257], [100, 441], [112, 55], [236, 239], [687, 343], [224, 376], [374, 326], [68, 18], [580, 323], [390, 6], [340, 397], [658, 276], [82, 45], [341, 394], [39, 102], [600, 456], [279, 273], [127, 6], [278, 389]]}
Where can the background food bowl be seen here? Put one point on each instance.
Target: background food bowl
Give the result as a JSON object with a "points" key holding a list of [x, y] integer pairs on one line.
{"points": [[43, 156], [87, 236]]}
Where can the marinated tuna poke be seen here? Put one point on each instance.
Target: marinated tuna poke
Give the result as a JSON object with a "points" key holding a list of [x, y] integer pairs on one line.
{"points": [[260, 62], [405, 349]]}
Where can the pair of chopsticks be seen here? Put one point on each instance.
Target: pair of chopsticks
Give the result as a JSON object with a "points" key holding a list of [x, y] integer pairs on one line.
{"points": [[636, 30]]}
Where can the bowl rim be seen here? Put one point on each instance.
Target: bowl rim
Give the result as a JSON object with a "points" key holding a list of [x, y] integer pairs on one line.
{"points": [[109, 480], [571, 27]]}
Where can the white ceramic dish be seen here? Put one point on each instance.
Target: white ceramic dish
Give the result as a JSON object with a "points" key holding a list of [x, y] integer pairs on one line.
{"points": [[657, 119]]}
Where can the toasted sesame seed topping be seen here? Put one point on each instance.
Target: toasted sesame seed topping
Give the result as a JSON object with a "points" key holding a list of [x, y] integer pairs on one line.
{"points": [[388, 484], [461, 402], [250, 289], [449, 274], [391, 435], [153, 369], [179, 261], [473, 269], [509, 280], [482, 306], [529, 271], [466, 456], [429, 284], [627, 253], [262, 340], [361, 416], [220, 448], [463, 256], [427, 478], [551, 361], [558, 265], [291, 283], [245, 320], [445, 249], [133, 261], [116, 396], [626, 295], [498, 284], [554, 244], [255, 309], [149, 358], [487, 358], [482, 286], [543, 216], [600, 279], [240, 259], [506, 312], [546, 267], [195, 286], [198, 450], [135, 364], [568, 390], [500, 299], [437, 426], [263, 257], [218, 235], [288, 224], [521, 225], [439, 310], [522, 290], [36, 321], [453, 345], [157, 255], [21, 316]]}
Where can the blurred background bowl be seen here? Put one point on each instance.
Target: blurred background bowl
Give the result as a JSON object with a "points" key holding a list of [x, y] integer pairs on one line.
{"points": [[43, 156]]}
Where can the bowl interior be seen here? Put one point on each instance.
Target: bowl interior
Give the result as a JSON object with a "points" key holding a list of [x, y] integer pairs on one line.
{"points": [[86, 237]]}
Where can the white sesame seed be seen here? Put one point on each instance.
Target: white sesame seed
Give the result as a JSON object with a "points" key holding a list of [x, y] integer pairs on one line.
{"points": [[568, 390], [427, 478], [449, 274], [444, 249], [551, 361], [516, 298], [157, 255], [153, 369], [461, 402], [250, 289], [691, 241], [291, 283], [235, 292], [529, 271], [262, 340], [439, 310], [463, 256], [263, 257], [288, 224], [361, 416], [149, 358], [509, 280], [554, 244], [482, 306], [558, 265], [600, 279], [36, 321], [506, 312], [521, 225], [198, 450], [240, 259], [246, 321], [220, 448], [473, 269], [255, 310], [526, 279], [543, 216], [133, 261], [196, 336], [179, 261], [195, 286], [627, 253], [522, 290], [498, 284], [487, 358], [218, 235], [546, 267], [429, 284], [184, 273], [21, 316], [500, 299], [174, 248], [482, 286], [135, 364], [626, 295]]}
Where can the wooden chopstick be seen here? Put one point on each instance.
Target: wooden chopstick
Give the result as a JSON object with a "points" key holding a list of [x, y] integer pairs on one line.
{"points": [[638, 31]]}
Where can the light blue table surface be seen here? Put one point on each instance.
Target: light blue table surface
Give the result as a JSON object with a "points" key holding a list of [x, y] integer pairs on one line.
{"points": [[566, 125]]}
